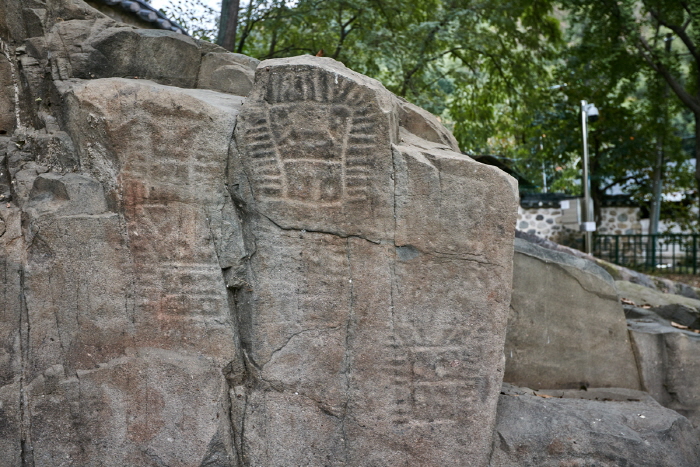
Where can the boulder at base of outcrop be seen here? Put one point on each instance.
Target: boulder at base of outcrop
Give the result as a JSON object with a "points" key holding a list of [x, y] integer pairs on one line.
{"points": [[566, 327], [669, 363], [625, 428]]}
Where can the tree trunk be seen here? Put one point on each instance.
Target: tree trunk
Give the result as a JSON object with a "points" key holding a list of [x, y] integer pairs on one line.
{"points": [[228, 24], [697, 156], [655, 214]]}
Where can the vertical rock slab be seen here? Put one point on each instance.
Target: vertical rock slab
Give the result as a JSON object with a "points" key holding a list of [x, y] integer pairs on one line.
{"points": [[567, 328], [317, 148], [13, 322], [373, 309], [132, 334], [7, 95]]}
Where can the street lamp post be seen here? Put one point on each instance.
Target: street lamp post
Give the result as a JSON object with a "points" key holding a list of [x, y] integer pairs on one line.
{"points": [[588, 112]]}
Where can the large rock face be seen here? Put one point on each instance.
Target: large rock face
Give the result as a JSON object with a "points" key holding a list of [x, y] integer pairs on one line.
{"points": [[565, 321], [309, 276], [130, 322], [363, 344]]}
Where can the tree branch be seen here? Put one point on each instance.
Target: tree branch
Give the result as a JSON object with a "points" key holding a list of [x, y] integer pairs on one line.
{"points": [[344, 33], [680, 32], [422, 61], [648, 55], [686, 7], [618, 181], [229, 24]]}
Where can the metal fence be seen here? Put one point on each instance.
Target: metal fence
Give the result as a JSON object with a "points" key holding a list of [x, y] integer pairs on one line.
{"points": [[677, 253]]}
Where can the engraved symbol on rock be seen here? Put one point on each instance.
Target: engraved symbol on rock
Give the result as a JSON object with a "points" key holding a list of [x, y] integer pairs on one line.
{"points": [[312, 153], [311, 143]]}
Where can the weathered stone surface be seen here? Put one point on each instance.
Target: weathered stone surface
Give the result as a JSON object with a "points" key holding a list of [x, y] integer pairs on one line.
{"points": [[591, 394], [320, 143], [680, 314], [227, 72], [544, 432], [425, 125], [641, 295], [635, 312], [102, 48], [677, 288], [669, 366], [5, 179], [131, 326], [42, 151], [7, 96], [618, 273], [150, 407], [566, 328], [65, 195], [13, 332], [364, 345], [669, 306], [10, 426], [20, 19]]}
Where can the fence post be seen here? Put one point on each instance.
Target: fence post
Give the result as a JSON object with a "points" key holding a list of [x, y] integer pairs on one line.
{"points": [[695, 253], [595, 251], [670, 241]]}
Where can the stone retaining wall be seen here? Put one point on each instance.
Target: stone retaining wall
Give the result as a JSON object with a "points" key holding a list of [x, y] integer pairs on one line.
{"points": [[552, 223], [620, 221]]}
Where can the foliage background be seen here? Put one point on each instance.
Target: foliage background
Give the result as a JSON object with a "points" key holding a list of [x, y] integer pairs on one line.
{"points": [[508, 76]]}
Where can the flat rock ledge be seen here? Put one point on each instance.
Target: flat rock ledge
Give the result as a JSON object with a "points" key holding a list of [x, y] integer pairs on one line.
{"points": [[599, 427]]}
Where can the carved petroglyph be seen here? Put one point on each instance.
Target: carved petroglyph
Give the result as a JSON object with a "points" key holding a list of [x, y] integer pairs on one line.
{"points": [[185, 278], [398, 341], [313, 144], [309, 140], [430, 384]]}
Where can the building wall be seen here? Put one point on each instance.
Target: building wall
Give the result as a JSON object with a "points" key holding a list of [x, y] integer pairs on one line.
{"points": [[620, 221], [559, 225], [543, 222]]}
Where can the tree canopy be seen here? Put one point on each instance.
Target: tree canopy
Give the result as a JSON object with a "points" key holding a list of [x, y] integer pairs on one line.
{"points": [[507, 76], [643, 56], [477, 64]]}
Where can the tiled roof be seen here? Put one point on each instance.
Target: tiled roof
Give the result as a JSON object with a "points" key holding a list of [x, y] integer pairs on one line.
{"points": [[145, 12], [552, 200], [542, 200]]}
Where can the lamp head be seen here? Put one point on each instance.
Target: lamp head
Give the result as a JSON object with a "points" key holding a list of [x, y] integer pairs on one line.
{"points": [[592, 113]]}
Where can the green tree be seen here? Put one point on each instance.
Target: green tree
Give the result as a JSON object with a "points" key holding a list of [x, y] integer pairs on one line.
{"points": [[640, 31], [640, 118], [488, 69], [471, 62]]}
